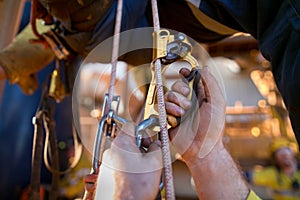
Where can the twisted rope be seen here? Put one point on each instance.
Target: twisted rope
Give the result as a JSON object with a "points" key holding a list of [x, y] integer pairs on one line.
{"points": [[168, 175], [115, 52]]}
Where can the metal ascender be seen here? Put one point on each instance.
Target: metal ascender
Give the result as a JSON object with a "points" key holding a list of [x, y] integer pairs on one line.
{"points": [[106, 128], [169, 49]]}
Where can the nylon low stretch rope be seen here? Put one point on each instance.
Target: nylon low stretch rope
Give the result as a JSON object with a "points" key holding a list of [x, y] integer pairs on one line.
{"points": [[115, 51], [114, 59], [168, 175]]}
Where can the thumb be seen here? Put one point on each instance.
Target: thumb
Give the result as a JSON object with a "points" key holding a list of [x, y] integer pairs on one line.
{"points": [[28, 84]]}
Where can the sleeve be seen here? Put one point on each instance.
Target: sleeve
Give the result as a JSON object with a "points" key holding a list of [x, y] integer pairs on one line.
{"points": [[17, 60], [265, 177]]}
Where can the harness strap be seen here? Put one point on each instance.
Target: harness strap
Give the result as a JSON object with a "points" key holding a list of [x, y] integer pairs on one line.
{"points": [[49, 126], [36, 156], [44, 120]]}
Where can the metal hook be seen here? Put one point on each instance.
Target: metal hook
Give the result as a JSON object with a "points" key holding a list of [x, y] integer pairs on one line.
{"points": [[145, 124], [107, 126], [98, 147]]}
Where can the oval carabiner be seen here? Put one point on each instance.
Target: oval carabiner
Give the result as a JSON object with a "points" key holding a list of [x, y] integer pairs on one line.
{"points": [[145, 124], [99, 145]]}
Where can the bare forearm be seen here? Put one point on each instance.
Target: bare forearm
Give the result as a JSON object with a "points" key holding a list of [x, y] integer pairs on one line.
{"points": [[217, 177]]}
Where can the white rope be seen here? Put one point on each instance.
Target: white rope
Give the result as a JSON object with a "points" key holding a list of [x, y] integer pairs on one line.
{"points": [[115, 52], [168, 175], [114, 59]]}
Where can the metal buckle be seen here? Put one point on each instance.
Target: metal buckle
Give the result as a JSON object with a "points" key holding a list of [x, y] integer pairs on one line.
{"points": [[56, 45]]}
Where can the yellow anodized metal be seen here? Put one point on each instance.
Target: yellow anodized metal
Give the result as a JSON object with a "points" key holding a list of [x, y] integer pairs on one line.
{"points": [[57, 88], [161, 39]]}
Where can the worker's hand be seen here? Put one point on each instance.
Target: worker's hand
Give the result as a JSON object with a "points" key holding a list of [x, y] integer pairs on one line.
{"points": [[21, 60], [133, 174], [28, 84], [202, 131]]}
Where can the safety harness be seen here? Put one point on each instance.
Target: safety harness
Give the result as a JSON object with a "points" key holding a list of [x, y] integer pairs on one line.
{"points": [[43, 120]]}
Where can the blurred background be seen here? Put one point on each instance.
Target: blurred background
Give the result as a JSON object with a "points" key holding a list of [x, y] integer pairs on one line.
{"points": [[255, 113]]}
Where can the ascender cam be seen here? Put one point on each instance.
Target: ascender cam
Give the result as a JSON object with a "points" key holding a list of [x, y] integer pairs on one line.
{"points": [[174, 51]]}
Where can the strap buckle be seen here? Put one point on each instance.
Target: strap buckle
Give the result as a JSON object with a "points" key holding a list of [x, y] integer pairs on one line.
{"points": [[56, 45]]}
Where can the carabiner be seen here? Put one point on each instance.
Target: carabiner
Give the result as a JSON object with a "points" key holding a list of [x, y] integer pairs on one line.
{"points": [[98, 146], [106, 128], [145, 124]]}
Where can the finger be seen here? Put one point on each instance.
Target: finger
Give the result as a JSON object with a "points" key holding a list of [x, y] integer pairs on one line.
{"points": [[206, 94], [146, 141], [211, 87], [178, 99], [184, 72], [89, 181], [28, 84], [90, 178], [181, 87], [173, 121], [201, 93], [173, 109]]}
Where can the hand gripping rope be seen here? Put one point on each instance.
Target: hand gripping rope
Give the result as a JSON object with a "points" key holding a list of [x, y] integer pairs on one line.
{"points": [[167, 49]]}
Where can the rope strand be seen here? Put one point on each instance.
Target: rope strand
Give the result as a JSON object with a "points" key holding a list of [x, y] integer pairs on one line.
{"points": [[168, 175], [115, 51]]}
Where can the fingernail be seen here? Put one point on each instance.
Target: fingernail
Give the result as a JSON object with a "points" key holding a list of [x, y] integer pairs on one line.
{"points": [[181, 111], [187, 104], [186, 90]]}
